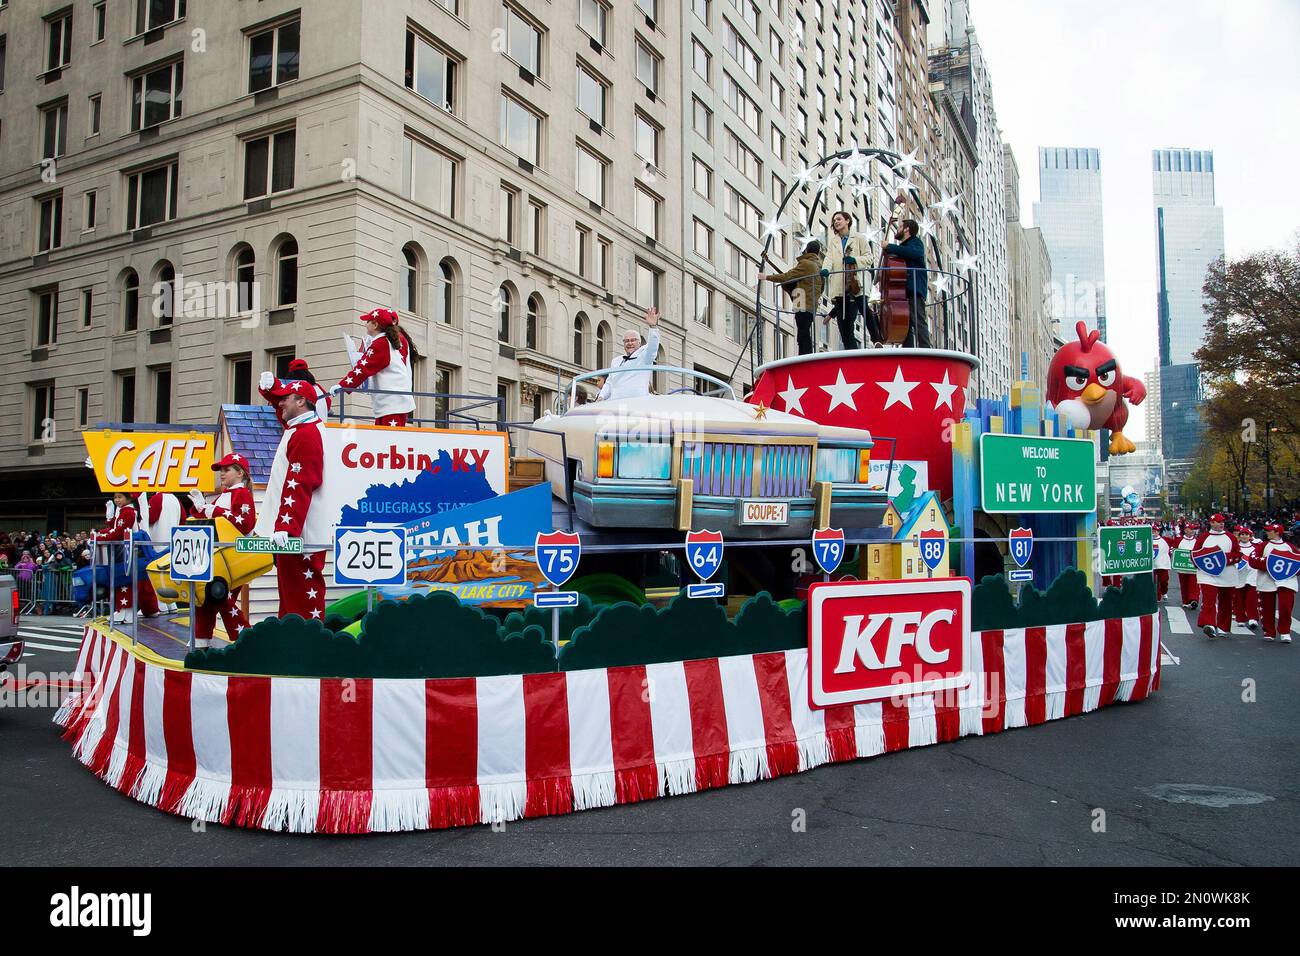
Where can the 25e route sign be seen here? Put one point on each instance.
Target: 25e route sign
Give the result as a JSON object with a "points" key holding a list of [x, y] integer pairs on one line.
{"points": [[1027, 474]]}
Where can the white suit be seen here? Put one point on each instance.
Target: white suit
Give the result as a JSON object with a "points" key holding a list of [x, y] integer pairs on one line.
{"points": [[632, 384]]}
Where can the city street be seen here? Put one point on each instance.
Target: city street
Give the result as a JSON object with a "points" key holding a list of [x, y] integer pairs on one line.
{"points": [[1201, 774]]}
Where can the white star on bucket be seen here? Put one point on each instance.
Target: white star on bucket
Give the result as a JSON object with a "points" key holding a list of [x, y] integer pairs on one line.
{"points": [[793, 397], [841, 392], [900, 391], [944, 391]]}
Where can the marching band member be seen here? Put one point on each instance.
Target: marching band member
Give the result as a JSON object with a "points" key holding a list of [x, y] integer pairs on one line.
{"points": [[387, 356], [296, 473], [1245, 601], [235, 503], [1187, 579], [121, 528], [1276, 598], [1160, 561], [1216, 590]]}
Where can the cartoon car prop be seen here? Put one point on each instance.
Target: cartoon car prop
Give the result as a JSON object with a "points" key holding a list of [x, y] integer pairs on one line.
{"points": [[698, 457], [113, 567], [230, 569]]}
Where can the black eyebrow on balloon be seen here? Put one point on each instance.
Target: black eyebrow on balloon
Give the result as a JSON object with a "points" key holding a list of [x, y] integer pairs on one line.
{"points": [[1106, 367], [1076, 370]]}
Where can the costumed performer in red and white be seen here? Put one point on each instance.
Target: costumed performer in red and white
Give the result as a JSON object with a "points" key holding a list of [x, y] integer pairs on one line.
{"points": [[1187, 579], [300, 372], [386, 355], [1160, 561], [1245, 599], [1276, 598], [1217, 589], [234, 502], [287, 505], [121, 527]]}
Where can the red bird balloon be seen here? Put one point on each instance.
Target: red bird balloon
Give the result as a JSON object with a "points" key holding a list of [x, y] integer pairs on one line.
{"points": [[1088, 390]]}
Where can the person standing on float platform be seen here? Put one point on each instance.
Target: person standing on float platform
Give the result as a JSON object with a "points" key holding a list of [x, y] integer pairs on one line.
{"points": [[287, 511], [386, 356]]}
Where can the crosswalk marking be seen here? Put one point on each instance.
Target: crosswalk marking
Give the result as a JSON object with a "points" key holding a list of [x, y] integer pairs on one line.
{"points": [[46, 636], [1178, 622], [51, 647]]}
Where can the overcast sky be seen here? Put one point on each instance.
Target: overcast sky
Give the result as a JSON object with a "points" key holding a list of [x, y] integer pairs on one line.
{"points": [[1128, 76]]}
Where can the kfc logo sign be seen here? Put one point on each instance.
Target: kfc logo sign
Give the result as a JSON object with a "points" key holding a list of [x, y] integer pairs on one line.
{"points": [[869, 640]]}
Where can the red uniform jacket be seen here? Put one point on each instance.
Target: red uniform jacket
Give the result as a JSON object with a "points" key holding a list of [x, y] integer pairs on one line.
{"points": [[122, 526], [374, 360], [242, 512]]}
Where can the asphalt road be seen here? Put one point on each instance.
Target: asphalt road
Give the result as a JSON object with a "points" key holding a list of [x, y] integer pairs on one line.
{"points": [[1109, 788]]}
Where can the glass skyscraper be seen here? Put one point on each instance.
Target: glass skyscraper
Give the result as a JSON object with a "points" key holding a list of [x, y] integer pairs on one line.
{"points": [[1069, 213]]}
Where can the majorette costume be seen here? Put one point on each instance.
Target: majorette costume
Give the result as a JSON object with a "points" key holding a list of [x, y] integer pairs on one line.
{"points": [[120, 529], [237, 506], [1245, 602], [1187, 579], [296, 473], [1216, 590], [389, 366], [1161, 561], [298, 369], [1276, 598]]}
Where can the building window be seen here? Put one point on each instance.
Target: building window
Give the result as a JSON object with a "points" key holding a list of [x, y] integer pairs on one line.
{"points": [[101, 20], [269, 164], [533, 320], [430, 72], [740, 51], [536, 228], [581, 250], [647, 67], [701, 60], [241, 380], [521, 129], [647, 285], [51, 230], [744, 159], [47, 317], [451, 6], [162, 395], [152, 14], [580, 340], [649, 7], [156, 96], [286, 273], [647, 140], [505, 309], [58, 31], [703, 179], [703, 305], [126, 397], [54, 124], [428, 176], [603, 336], [151, 197], [741, 211], [4, 43], [83, 407], [741, 103], [591, 95], [739, 321], [778, 143], [592, 18], [165, 296], [604, 259], [246, 280], [776, 46], [509, 202], [701, 8], [273, 56], [444, 386], [703, 240], [95, 112], [646, 213], [523, 42], [130, 301], [87, 307], [42, 411], [448, 273], [702, 119], [409, 285], [777, 92], [590, 175]]}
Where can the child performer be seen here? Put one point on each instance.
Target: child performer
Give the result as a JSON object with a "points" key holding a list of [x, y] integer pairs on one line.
{"points": [[235, 503]]}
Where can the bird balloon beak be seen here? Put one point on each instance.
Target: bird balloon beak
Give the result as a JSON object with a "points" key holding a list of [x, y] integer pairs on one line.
{"points": [[1093, 394]]}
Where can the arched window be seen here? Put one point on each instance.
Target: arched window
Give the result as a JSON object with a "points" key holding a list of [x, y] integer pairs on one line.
{"points": [[164, 308], [603, 358], [505, 308], [409, 293], [286, 273], [580, 339], [533, 320], [246, 279], [447, 268], [130, 301]]}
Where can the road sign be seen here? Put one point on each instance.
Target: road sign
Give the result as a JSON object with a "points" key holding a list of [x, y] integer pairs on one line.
{"points": [[709, 589], [555, 599], [828, 548], [1020, 575], [1126, 549], [1210, 560], [934, 544], [1180, 559], [1282, 565], [1027, 474], [1022, 545], [557, 556], [369, 557], [249, 545], [704, 552], [191, 557]]}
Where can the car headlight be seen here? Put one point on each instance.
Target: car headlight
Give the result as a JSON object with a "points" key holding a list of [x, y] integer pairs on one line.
{"points": [[634, 459], [844, 466]]}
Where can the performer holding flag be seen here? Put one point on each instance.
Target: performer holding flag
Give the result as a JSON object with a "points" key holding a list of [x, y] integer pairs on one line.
{"points": [[1216, 589], [296, 472], [386, 356], [1276, 598], [234, 503]]}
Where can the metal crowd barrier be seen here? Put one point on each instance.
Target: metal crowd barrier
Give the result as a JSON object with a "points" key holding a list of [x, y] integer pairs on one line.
{"points": [[48, 589]]}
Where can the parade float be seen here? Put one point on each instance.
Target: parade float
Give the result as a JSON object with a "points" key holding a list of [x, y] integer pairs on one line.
{"points": [[625, 599]]}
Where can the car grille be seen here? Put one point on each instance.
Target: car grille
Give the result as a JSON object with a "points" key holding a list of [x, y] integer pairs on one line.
{"points": [[727, 468]]}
